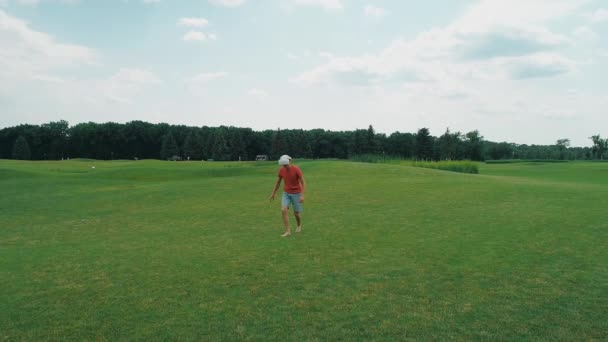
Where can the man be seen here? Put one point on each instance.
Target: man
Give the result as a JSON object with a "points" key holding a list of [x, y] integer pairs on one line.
{"points": [[293, 193]]}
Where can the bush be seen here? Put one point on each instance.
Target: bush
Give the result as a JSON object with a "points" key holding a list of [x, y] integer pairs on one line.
{"points": [[368, 158], [512, 161], [463, 166]]}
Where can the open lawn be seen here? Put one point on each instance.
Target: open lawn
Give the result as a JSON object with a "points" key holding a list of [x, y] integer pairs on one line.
{"points": [[153, 250]]}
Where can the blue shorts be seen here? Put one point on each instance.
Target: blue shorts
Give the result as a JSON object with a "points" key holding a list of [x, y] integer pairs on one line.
{"points": [[293, 199]]}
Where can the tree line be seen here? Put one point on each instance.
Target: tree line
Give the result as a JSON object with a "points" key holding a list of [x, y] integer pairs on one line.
{"points": [[143, 140]]}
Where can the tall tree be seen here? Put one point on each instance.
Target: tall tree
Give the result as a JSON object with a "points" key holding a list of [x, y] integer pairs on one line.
{"points": [[220, 150], [370, 141], [169, 147], [237, 144], [359, 142], [260, 144], [449, 145], [401, 144], [424, 144], [562, 146], [144, 140], [474, 144], [301, 146], [501, 150], [192, 149], [279, 146], [21, 149], [56, 136], [599, 146]]}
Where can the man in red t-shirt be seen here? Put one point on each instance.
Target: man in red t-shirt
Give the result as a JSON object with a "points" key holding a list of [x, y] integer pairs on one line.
{"points": [[293, 192]]}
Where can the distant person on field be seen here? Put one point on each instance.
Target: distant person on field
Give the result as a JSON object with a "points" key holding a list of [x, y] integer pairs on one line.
{"points": [[293, 192]]}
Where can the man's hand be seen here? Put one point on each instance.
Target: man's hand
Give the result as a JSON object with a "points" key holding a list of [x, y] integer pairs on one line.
{"points": [[301, 198], [272, 197]]}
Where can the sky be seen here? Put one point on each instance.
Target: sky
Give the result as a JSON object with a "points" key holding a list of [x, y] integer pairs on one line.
{"points": [[523, 71]]}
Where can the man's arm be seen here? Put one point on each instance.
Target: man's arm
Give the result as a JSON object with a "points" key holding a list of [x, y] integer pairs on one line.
{"points": [[303, 184], [276, 187]]}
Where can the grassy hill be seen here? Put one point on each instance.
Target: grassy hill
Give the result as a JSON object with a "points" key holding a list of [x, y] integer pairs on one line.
{"points": [[157, 250]]}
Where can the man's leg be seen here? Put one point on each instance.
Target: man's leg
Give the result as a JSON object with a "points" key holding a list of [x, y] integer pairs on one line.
{"points": [[285, 214], [297, 211], [298, 221]]}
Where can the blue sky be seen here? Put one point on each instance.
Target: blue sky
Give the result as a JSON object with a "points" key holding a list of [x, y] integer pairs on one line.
{"points": [[525, 71]]}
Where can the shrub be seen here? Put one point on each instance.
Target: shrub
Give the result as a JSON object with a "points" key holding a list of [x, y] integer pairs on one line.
{"points": [[512, 161], [463, 166]]}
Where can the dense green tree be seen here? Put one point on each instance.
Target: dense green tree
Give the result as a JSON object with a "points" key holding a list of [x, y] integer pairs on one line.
{"points": [[450, 145], [237, 143], [371, 141], [562, 146], [279, 145], [599, 146], [301, 145], [143, 140], [21, 150], [474, 145], [501, 150], [54, 136], [424, 145], [220, 150], [359, 142], [260, 143], [401, 145], [169, 147], [192, 149]]}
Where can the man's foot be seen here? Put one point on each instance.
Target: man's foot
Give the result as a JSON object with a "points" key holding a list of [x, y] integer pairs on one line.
{"points": [[286, 234], [299, 229]]}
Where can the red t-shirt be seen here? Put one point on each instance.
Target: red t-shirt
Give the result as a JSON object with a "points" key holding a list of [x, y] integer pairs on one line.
{"points": [[291, 178]]}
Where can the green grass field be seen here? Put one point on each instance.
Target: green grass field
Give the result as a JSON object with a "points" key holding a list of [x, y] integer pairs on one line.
{"points": [[155, 250]]}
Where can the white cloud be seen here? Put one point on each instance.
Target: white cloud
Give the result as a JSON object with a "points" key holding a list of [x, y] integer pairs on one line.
{"points": [[227, 3], [326, 4], [497, 68], [599, 15], [193, 22], [257, 92], [585, 32], [21, 2], [511, 41], [47, 78], [26, 53], [488, 13], [126, 84], [373, 11], [207, 77], [493, 40], [307, 55], [198, 36], [36, 2], [538, 65], [135, 76], [35, 63]]}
